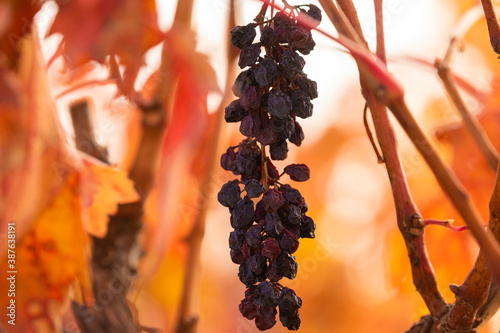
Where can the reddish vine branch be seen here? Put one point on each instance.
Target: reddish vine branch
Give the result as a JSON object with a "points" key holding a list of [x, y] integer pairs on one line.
{"points": [[474, 292], [408, 216]]}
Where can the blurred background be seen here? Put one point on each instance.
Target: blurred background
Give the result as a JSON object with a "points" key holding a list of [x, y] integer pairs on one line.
{"points": [[355, 276]]}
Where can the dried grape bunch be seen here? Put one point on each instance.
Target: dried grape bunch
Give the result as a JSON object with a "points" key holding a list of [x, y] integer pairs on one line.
{"points": [[268, 216]]}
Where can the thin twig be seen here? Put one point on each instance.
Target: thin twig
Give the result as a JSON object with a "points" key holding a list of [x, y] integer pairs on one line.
{"points": [[471, 123], [493, 26], [446, 223], [379, 19], [380, 159]]}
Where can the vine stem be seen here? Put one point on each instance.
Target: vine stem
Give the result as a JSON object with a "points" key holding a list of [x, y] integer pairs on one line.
{"points": [[265, 176], [471, 123], [474, 292], [408, 216], [446, 223]]}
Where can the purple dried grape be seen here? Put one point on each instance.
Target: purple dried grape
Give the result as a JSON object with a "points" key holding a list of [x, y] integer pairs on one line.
{"points": [[272, 171], [246, 275], [282, 26], [244, 80], [229, 195], [298, 135], [299, 37], [254, 188], [260, 211], [253, 236], [290, 320], [266, 72], [267, 133], [271, 248], [294, 215], [265, 294], [234, 112], [301, 104], [288, 242], [249, 55], [279, 150], [247, 161], [248, 126], [236, 238], [243, 213], [243, 36], [228, 159], [246, 250], [267, 36], [289, 301], [257, 264], [307, 227], [308, 47], [286, 265], [292, 196], [273, 200], [307, 85], [250, 98], [266, 318], [248, 307], [294, 229], [279, 104], [273, 225], [285, 127], [291, 63], [314, 12], [298, 172], [237, 256]]}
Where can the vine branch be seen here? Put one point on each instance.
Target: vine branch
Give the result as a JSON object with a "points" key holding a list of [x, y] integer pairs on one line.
{"points": [[471, 123], [408, 216]]}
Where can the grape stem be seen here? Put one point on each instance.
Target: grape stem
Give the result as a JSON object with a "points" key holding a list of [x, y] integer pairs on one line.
{"points": [[446, 223], [265, 176]]}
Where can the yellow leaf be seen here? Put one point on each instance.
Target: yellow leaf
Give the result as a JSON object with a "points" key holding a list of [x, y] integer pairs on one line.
{"points": [[49, 258]]}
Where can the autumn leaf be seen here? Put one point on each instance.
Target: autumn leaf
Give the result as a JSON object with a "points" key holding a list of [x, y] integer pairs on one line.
{"points": [[102, 188], [50, 257], [93, 30], [35, 158]]}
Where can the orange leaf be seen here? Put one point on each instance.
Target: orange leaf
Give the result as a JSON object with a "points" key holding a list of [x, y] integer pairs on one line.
{"points": [[50, 257], [102, 188]]}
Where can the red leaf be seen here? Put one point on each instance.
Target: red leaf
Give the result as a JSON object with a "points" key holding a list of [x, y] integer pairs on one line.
{"points": [[94, 29]]}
